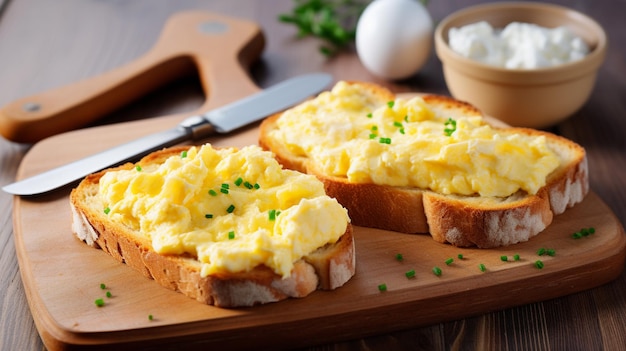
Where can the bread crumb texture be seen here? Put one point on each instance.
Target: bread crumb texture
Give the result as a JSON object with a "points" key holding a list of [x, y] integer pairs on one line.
{"points": [[233, 209]]}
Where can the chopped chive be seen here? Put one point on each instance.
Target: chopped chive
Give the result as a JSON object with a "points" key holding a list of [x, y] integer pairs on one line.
{"points": [[390, 104], [183, 154], [138, 168], [224, 190], [99, 302], [437, 271], [150, 317], [238, 181], [382, 287], [539, 264], [577, 235], [248, 185], [449, 261], [225, 186], [541, 252], [459, 256], [401, 130], [231, 235], [551, 252], [208, 215], [406, 118], [369, 115], [399, 257], [374, 128], [109, 294], [504, 258], [516, 257], [103, 286], [410, 274], [397, 124], [212, 192], [256, 186], [272, 215], [230, 209], [107, 210], [385, 141], [450, 127], [482, 267], [373, 136]]}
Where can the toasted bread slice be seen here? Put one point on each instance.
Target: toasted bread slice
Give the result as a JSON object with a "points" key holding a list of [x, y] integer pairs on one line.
{"points": [[327, 268], [461, 220]]}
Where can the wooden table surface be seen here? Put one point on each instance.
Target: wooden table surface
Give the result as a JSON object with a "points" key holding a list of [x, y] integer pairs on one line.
{"points": [[45, 44]]}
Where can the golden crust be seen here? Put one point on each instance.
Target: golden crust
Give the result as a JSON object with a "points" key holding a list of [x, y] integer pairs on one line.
{"points": [[458, 220], [326, 268]]}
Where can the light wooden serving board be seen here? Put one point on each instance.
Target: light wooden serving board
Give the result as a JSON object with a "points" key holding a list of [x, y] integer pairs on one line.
{"points": [[62, 275]]}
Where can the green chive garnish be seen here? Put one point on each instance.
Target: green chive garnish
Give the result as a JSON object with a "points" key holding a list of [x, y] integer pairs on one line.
{"points": [[551, 252], [208, 215], [374, 128], [382, 287], [399, 257], [460, 256], [224, 190], [212, 192], [450, 127], [150, 317], [390, 104], [183, 154], [541, 252], [401, 130], [225, 186], [397, 124], [449, 261], [369, 115], [482, 267], [272, 215], [385, 141], [256, 186], [103, 286], [238, 181], [109, 294], [410, 274], [138, 168], [516, 257], [99, 302], [107, 210], [248, 185], [231, 235], [437, 271], [373, 136], [539, 264], [406, 118], [504, 258], [230, 209]]}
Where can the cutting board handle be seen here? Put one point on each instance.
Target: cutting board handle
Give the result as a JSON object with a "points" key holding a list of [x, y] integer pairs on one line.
{"points": [[219, 48]]}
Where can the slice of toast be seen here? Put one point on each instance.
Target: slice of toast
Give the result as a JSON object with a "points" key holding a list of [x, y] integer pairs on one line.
{"points": [[327, 267], [461, 220]]}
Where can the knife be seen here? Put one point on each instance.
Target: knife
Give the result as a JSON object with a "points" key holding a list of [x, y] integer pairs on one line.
{"points": [[221, 120]]}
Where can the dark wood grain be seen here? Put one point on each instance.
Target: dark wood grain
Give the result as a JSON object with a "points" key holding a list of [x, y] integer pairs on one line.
{"points": [[44, 44]]}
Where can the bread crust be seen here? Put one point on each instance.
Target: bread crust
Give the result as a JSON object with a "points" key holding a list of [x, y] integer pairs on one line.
{"points": [[458, 220], [327, 268]]}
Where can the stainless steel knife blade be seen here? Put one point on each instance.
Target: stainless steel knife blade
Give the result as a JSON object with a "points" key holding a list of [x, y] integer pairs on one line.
{"points": [[221, 120]]}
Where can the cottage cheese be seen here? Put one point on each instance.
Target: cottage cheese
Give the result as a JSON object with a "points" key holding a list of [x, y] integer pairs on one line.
{"points": [[518, 45]]}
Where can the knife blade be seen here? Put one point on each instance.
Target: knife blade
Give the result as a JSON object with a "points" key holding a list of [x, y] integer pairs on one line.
{"points": [[221, 120]]}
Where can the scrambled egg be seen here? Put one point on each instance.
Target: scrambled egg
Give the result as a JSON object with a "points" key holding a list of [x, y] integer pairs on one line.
{"points": [[232, 209], [350, 133]]}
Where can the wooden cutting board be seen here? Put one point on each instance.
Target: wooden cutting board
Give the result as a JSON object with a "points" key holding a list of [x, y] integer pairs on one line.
{"points": [[62, 275]]}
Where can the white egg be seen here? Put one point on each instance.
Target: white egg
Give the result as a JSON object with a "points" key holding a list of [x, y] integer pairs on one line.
{"points": [[394, 38]]}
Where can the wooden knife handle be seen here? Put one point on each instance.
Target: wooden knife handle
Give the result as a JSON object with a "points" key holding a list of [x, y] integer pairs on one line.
{"points": [[219, 48]]}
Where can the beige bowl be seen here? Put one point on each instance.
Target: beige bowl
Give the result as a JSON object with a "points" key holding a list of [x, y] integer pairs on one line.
{"points": [[535, 98]]}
